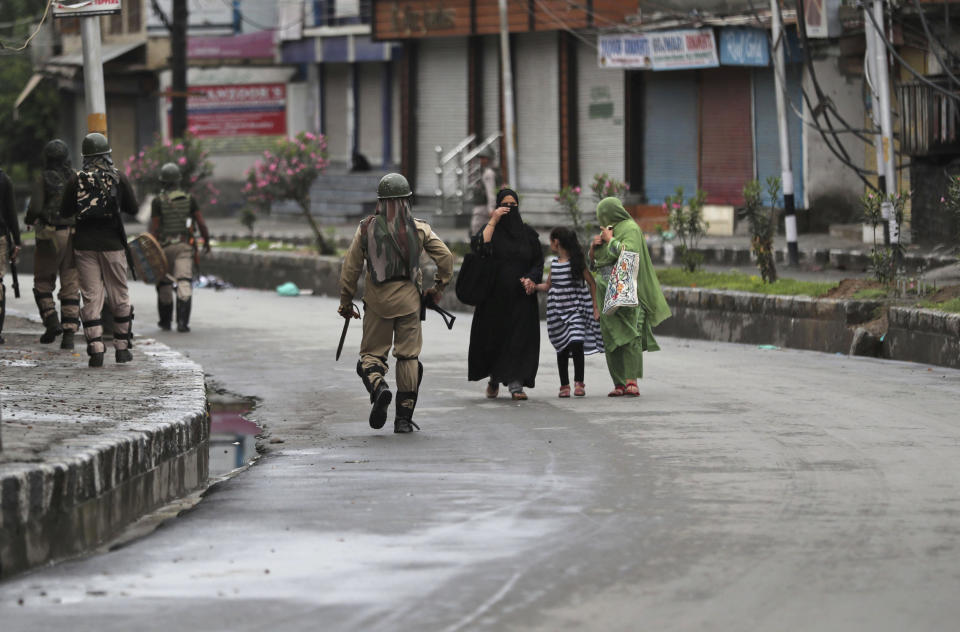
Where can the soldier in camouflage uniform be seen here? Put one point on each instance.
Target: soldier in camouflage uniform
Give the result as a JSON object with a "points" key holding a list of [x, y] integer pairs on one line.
{"points": [[9, 229], [390, 243], [54, 250], [97, 195], [173, 215]]}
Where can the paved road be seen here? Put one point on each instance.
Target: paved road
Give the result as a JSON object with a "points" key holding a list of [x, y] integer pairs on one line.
{"points": [[745, 490]]}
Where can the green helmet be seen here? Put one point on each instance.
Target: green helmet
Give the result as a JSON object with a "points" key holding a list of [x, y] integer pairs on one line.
{"points": [[170, 173], [95, 144], [393, 185], [55, 152]]}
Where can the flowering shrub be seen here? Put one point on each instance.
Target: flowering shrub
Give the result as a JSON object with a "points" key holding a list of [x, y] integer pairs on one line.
{"points": [[604, 186], [885, 261], [762, 226], [287, 173], [686, 221], [187, 153], [569, 198]]}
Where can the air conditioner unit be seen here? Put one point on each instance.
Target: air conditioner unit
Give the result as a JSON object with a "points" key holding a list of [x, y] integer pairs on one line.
{"points": [[822, 18]]}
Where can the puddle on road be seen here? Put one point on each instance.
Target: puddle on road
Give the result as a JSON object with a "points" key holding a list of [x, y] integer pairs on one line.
{"points": [[233, 437]]}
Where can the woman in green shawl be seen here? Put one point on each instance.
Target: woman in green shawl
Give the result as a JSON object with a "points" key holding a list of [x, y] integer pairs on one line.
{"points": [[628, 331]]}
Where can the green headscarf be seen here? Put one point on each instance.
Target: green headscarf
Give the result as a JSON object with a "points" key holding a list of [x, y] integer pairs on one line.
{"points": [[627, 233]]}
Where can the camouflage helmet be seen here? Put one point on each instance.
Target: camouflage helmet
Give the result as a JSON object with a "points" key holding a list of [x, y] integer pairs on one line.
{"points": [[95, 144], [393, 185], [56, 152], [170, 173]]}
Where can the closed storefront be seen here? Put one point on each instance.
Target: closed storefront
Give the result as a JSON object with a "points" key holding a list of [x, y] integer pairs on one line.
{"points": [[600, 117], [670, 153], [441, 105], [370, 112], [336, 86], [726, 133], [538, 120], [767, 137]]}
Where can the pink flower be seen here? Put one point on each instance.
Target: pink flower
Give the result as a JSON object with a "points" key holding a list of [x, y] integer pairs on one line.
{"points": [[576, 190], [664, 206], [310, 136], [942, 200], [183, 160], [213, 200], [166, 143], [179, 147]]}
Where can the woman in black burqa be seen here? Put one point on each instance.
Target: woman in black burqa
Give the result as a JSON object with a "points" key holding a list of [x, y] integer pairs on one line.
{"points": [[505, 335]]}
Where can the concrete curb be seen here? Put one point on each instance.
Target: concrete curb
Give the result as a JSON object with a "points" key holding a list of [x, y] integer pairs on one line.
{"points": [[87, 489], [827, 325]]}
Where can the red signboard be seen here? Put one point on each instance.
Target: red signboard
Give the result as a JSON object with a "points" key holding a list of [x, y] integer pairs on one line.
{"points": [[258, 45], [255, 109]]}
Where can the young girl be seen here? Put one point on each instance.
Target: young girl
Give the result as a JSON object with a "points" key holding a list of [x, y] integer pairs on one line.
{"points": [[572, 311]]}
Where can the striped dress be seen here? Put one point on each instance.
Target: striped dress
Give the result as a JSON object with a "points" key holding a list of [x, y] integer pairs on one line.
{"points": [[570, 311]]}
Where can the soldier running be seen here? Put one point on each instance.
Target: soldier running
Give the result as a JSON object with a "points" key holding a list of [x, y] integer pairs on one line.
{"points": [[54, 250], [390, 242], [173, 215], [97, 195], [9, 230]]}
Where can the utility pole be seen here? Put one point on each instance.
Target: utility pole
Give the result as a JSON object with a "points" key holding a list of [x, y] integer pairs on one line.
{"points": [[510, 133], [178, 68], [891, 234], [786, 169], [94, 92]]}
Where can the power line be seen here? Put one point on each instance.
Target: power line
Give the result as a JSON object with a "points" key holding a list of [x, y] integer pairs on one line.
{"points": [[562, 24], [931, 39], [43, 19]]}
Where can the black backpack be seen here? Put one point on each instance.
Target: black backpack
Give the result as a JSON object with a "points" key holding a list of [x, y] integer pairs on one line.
{"points": [[96, 196]]}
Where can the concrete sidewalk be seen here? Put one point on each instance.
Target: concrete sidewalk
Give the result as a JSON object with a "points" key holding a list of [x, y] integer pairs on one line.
{"points": [[86, 452]]}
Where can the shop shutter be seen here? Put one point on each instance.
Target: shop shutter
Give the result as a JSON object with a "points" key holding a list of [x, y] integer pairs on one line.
{"points": [[726, 150], [336, 84], [370, 111], [441, 105], [600, 114], [766, 133], [538, 117], [491, 87], [670, 134]]}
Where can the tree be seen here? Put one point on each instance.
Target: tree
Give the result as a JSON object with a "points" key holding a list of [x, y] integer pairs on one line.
{"points": [[287, 173]]}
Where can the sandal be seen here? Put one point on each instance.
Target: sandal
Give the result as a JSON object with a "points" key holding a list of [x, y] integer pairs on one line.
{"points": [[632, 390], [616, 392], [564, 391], [519, 396], [492, 390], [579, 389]]}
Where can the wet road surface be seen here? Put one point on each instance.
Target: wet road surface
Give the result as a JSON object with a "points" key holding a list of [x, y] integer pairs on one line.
{"points": [[744, 490]]}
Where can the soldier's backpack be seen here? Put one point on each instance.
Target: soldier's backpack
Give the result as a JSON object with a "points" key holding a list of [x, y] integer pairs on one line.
{"points": [[96, 196]]}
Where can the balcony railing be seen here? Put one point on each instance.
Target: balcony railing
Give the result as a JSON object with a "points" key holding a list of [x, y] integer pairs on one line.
{"points": [[930, 119]]}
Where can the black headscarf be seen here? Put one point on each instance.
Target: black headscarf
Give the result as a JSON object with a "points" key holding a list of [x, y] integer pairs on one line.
{"points": [[511, 223]]}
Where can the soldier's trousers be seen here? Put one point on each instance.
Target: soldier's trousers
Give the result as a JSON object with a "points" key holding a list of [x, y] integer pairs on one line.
{"points": [[104, 273], [179, 274], [401, 333], [55, 257], [3, 271]]}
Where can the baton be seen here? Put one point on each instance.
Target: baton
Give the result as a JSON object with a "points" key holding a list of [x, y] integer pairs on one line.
{"points": [[346, 324]]}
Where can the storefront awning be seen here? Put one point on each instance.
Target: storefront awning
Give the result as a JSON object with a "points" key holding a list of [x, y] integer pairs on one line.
{"points": [[108, 51]]}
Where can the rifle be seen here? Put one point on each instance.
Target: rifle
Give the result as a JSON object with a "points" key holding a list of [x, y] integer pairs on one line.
{"points": [[13, 266], [427, 302]]}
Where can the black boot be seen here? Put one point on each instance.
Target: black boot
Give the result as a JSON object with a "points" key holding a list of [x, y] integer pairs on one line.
{"points": [[406, 402], [52, 323], [67, 341], [183, 315], [166, 315], [380, 396], [123, 355], [96, 359]]}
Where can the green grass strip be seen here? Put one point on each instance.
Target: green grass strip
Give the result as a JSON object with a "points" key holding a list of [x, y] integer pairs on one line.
{"points": [[678, 277]]}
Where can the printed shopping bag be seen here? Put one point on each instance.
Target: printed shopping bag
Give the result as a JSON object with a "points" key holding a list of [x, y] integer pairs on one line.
{"points": [[622, 284]]}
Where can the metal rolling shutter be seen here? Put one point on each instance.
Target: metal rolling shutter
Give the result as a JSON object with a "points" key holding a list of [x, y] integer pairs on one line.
{"points": [[336, 84], [538, 117], [491, 86], [670, 154], [441, 105], [370, 110], [599, 117], [765, 125], [726, 150]]}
